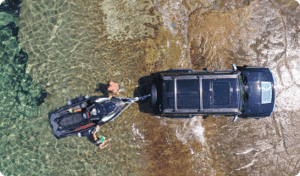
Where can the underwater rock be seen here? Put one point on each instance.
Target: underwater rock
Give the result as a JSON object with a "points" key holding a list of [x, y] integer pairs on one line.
{"points": [[21, 97], [15, 84], [10, 70], [6, 18], [5, 34]]}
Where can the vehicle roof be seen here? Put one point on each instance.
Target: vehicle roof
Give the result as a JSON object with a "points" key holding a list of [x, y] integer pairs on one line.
{"points": [[200, 92]]}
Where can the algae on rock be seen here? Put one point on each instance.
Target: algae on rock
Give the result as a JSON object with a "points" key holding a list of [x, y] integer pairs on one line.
{"points": [[16, 87]]}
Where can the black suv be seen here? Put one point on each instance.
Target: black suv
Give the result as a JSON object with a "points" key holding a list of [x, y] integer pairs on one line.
{"points": [[246, 92]]}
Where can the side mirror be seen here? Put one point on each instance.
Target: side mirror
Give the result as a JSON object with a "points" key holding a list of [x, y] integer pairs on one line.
{"points": [[234, 67], [235, 118]]}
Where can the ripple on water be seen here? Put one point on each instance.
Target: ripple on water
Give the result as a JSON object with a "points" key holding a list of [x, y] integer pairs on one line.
{"points": [[191, 129], [87, 42], [261, 34]]}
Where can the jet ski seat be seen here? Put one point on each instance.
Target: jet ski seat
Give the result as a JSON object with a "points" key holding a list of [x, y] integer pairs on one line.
{"points": [[71, 119]]}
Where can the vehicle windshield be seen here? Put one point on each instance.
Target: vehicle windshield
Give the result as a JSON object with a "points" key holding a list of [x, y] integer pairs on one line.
{"points": [[242, 79]]}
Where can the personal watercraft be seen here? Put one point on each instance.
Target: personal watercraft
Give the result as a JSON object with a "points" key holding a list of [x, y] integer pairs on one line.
{"points": [[83, 114]]}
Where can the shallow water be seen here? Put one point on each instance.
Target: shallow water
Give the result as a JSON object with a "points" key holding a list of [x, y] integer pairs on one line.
{"points": [[76, 46]]}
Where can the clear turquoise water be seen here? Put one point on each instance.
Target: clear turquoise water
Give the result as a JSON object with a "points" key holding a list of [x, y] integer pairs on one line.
{"points": [[68, 55]]}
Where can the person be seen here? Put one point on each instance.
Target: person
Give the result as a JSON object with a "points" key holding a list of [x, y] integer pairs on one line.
{"points": [[113, 89], [100, 141]]}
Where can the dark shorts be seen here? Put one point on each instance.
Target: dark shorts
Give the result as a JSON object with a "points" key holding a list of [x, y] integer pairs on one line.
{"points": [[91, 138], [98, 143]]}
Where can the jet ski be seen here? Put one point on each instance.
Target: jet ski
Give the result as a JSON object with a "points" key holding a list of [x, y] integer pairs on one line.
{"points": [[83, 114]]}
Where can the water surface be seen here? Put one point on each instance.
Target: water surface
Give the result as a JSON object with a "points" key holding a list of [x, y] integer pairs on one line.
{"points": [[75, 46]]}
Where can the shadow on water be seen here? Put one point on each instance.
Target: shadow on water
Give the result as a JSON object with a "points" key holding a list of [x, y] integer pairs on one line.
{"points": [[102, 88], [13, 27], [11, 7]]}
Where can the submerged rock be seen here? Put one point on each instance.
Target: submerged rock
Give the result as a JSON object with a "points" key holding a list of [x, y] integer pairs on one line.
{"points": [[14, 82]]}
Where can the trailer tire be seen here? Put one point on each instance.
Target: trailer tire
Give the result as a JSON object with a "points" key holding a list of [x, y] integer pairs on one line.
{"points": [[153, 94]]}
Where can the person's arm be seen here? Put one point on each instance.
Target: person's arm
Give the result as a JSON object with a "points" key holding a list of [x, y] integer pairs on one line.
{"points": [[96, 132], [95, 135]]}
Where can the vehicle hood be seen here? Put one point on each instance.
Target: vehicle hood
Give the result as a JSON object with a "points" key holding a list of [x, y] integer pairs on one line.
{"points": [[260, 93]]}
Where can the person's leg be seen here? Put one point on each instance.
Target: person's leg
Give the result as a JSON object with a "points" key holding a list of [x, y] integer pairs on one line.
{"points": [[91, 138], [104, 143], [101, 146]]}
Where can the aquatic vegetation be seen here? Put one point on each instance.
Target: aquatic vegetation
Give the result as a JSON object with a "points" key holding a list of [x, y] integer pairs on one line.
{"points": [[16, 86]]}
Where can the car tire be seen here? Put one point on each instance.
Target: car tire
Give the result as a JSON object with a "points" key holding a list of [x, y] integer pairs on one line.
{"points": [[153, 94]]}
